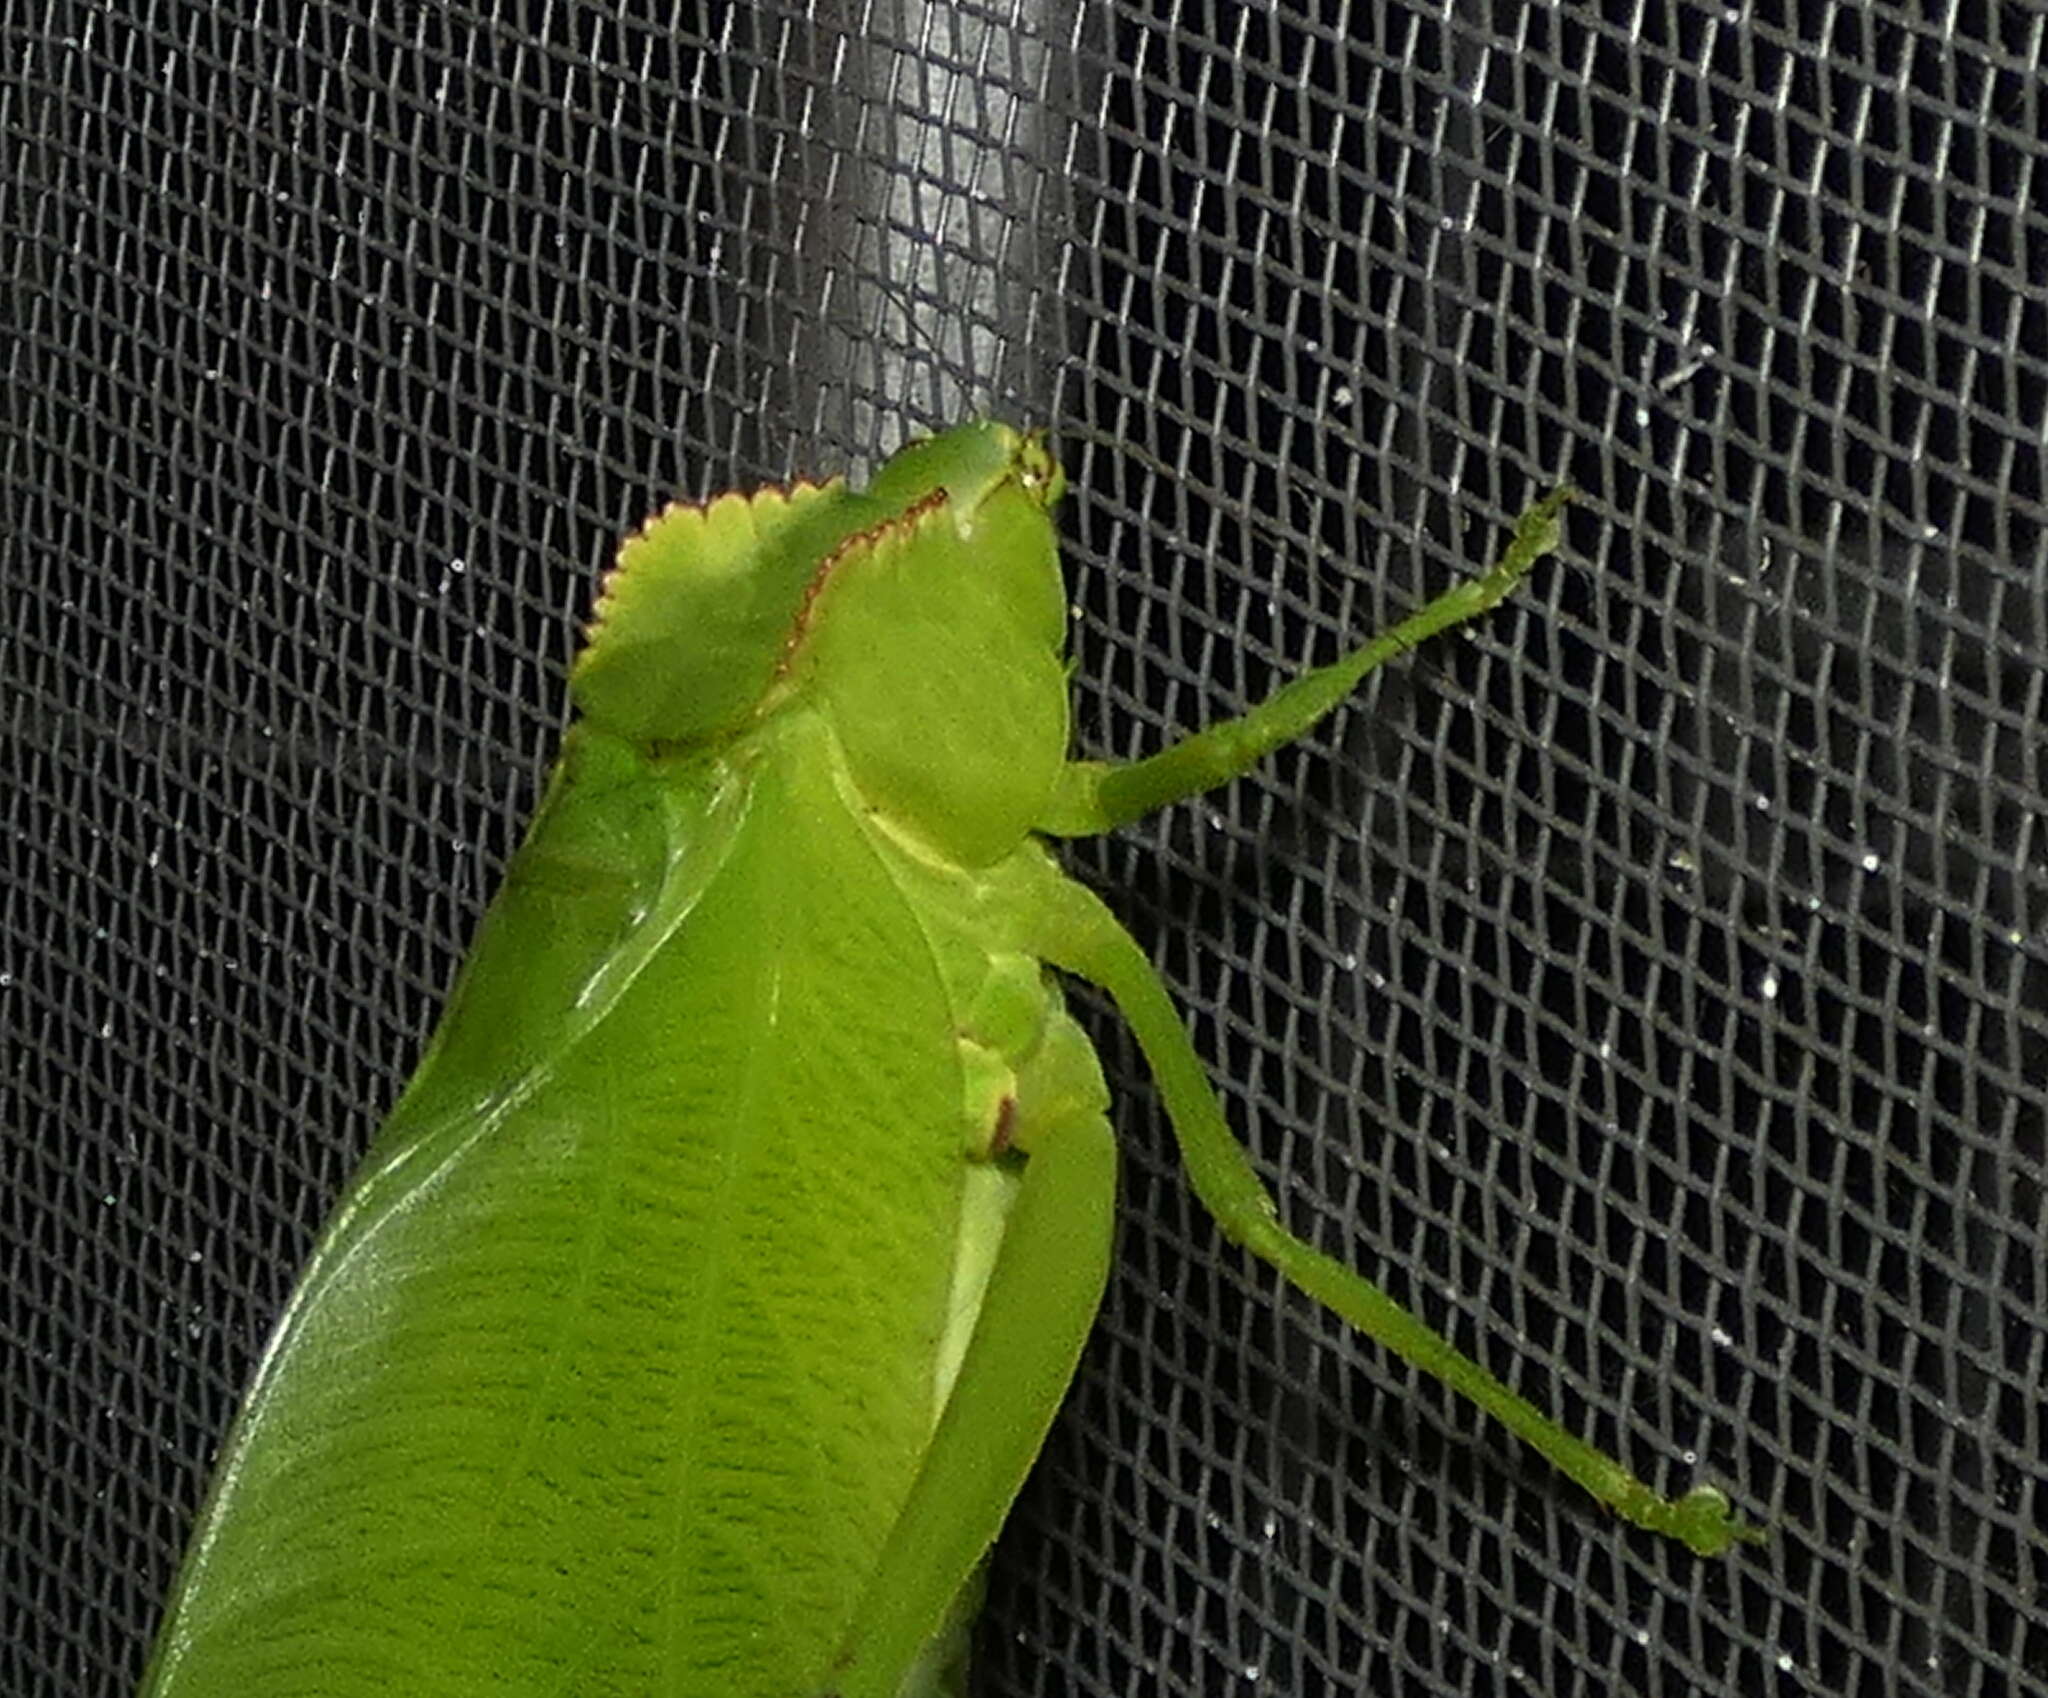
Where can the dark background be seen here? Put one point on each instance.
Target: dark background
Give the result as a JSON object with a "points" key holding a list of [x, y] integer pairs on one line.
{"points": [[1649, 983]]}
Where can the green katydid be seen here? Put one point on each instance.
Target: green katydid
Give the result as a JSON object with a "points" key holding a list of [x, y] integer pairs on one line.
{"points": [[696, 1315]]}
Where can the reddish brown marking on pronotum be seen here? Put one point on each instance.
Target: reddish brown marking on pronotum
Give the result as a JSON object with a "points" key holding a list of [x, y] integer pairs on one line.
{"points": [[905, 521], [784, 493], [1006, 1120]]}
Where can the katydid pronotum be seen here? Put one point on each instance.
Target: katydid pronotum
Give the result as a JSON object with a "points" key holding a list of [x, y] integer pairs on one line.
{"points": [[697, 1313]]}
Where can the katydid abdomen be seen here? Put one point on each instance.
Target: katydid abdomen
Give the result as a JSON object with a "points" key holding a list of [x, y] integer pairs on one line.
{"points": [[617, 1383]]}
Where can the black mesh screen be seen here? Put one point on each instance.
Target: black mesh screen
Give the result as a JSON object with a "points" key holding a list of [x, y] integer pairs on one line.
{"points": [[1648, 984]]}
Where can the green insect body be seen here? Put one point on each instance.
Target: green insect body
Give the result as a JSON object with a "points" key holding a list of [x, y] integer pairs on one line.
{"points": [[696, 1315]]}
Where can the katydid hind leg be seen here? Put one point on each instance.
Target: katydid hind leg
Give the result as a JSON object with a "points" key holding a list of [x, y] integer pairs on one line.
{"points": [[1036, 1314], [1098, 796], [1077, 933]]}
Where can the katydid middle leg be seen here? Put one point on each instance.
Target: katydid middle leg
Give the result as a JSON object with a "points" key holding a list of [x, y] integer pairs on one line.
{"points": [[1072, 929]]}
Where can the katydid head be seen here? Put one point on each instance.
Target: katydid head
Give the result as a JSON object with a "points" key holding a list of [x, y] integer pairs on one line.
{"points": [[934, 642]]}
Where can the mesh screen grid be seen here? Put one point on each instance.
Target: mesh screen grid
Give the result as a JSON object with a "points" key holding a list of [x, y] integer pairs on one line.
{"points": [[1649, 984]]}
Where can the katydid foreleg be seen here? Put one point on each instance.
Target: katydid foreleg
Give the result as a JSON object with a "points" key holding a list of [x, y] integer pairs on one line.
{"points": [[1098, 796]]}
